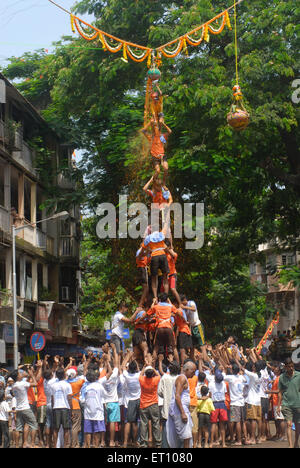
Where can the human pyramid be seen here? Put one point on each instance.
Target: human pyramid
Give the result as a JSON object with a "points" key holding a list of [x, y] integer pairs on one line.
{"points": [[159, 323]]}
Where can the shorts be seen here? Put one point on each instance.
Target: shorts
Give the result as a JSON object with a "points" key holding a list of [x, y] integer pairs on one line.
{"points": [[133, 411], [184, 341], [253, 412], [172, 281], [92, 426], [159, 262], [237, 414], [62, 417], [41, 414], [143, 275], [198, 336], [113, 412], [277, 417], [25, 417], [158, 160], [116, 340], [218, 415], [194, 416], [291, 414], [138, 337], [203, 420], [265, 404], [49, 417], [165, 339]]}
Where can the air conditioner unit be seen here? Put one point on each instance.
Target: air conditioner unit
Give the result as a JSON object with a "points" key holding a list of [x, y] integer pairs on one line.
{"points": [[65, 293]]}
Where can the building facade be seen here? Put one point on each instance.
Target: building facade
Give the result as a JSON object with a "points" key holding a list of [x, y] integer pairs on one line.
{"points": [[285, 298], [47, 253]]}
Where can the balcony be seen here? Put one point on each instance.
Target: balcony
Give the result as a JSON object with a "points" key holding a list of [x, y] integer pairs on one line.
{"points": [[68, 247], [38, 239], [11, 136], [4, 220], [25, 157]]}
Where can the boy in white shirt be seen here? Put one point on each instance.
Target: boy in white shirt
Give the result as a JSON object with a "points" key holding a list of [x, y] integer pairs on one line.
{"points": [[4, 417], [93, 402], [61, 399], [237, 383]]}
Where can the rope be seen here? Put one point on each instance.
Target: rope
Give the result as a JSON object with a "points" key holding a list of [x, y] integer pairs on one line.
{"points": [[236, 45]]}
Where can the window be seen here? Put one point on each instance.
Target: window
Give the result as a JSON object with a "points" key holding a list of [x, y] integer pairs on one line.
{"points": [[27, 199], [65, 227], [14, 189], [39, 201], [2, 196], [28, 272], [2, 274], [253, 268]]}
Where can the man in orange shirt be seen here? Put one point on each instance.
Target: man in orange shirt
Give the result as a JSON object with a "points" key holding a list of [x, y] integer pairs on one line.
{"points": [[142, 260], [161, 195], [164, 335], [41, 403], [193, 381], [149, 410], [172, 259], [184, 335], [76, 384], [154, 243], [158, 140]]}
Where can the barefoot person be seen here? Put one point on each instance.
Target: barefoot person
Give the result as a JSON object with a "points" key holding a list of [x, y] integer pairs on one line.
{"points": [[179, 423]]}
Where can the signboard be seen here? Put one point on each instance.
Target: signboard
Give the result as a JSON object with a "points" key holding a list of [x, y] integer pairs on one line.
{"points": [[37, 342], [126, 334]]}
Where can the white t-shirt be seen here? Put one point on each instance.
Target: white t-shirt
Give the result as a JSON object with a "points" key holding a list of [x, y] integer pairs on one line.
{"points": [[132, 387], [60, 391], [4, 411], [217, 390], [20, 392], [93, 402], [265, 380], [253, 397], [118, 325], [111, 387], [236, 389], [192, 315], [48, 389]]}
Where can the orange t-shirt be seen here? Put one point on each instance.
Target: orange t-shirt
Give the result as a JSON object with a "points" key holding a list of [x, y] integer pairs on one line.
{"points": [[275, 395], [142, 262], [149, 394], [227, 396], [157, 248], [157, 146], [31, 396], [163, 313], [180, 318], [193, 396], [76, 387], [41, 397], [171, 263]]}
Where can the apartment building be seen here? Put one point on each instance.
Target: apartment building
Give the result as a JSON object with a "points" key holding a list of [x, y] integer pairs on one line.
{"points": [[284, 297], [47, 254]]}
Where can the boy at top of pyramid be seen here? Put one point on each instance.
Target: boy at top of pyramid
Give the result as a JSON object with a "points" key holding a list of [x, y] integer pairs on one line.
{"points": [[158, 139], [160, 194]]}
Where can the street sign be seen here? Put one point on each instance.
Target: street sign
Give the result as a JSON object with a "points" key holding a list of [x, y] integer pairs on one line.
{"points": [[37, 342], [126, 334]]}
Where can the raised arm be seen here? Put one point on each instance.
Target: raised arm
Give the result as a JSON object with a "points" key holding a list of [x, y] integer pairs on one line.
{"points": [[146, 187]]}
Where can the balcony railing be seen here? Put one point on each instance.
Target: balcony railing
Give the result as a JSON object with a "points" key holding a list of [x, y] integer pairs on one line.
{"points": [[25, 157], [68, 247]]}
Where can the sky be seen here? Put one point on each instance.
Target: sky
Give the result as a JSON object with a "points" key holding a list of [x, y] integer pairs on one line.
{"points": [[27, 25]]}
